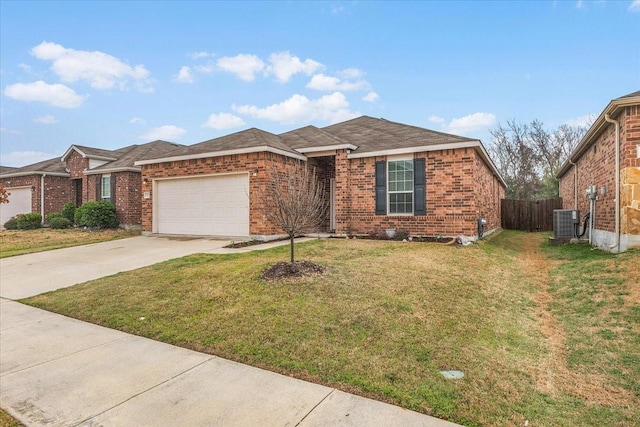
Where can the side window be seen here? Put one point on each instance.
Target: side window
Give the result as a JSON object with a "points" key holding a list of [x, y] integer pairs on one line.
{"points": [[106, 188], [400, 186]]}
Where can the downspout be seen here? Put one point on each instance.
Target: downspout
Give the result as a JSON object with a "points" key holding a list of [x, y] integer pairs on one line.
{"points": [[575, 184], [42, 196], [617, 202]]}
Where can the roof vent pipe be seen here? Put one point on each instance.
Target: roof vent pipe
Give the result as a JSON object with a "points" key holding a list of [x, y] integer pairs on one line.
{"points": [[616, 245]]}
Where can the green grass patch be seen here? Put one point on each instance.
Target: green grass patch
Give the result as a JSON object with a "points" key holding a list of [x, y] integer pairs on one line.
{"points": [[381, 322], [21, 242]]}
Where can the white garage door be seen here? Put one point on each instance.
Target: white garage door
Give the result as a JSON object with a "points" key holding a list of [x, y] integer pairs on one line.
{"points": [[203, 206], [19, 202]]}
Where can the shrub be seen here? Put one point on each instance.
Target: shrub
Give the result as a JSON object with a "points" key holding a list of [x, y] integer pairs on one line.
{"points": [[53, 215], [29, 221], [99, 214], [69, 211], [59, 222], [12, 224]]}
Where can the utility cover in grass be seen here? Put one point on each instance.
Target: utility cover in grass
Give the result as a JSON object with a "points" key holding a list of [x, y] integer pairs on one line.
{"points": [[452, 375], [291, 270]]}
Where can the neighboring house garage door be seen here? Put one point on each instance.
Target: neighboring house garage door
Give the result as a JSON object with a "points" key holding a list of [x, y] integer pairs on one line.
{"points": [[203, 206], [19, 202]]}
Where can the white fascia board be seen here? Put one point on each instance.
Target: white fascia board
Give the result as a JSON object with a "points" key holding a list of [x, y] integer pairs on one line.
{"points": [[327, 148], [112, 170], [409, 150], [220, 154], [18, 174]]}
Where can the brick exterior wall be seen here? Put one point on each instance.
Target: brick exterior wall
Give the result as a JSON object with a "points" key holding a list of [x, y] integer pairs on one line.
{"points": [[264, 162], [57, 191], [597, 167], [460, 188]]}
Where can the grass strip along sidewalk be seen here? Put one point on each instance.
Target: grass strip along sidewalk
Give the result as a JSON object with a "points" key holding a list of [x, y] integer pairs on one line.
{"points": [[548, 335]]}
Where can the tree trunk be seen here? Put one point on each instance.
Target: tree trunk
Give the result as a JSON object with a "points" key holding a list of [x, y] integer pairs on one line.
{"points": [[291, 237]]}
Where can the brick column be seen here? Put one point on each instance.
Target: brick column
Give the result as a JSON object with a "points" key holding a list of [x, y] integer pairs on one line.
{"points": [[343, 193]]}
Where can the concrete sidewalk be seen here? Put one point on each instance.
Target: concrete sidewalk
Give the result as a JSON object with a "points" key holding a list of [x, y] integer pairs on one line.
{"points": [[64, 372]]}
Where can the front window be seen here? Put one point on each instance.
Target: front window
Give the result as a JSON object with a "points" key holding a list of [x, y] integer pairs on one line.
{"points": [[400, 186], [106, 188]]}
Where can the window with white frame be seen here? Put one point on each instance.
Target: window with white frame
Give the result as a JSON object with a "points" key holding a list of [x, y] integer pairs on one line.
{"points": [[400, 186], [106, 188]]}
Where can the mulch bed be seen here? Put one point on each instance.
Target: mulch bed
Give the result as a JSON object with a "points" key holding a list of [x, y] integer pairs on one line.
{"points": [[287, 270]]}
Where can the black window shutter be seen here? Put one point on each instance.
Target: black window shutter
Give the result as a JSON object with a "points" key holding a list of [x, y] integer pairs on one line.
{"points": [[113, 189], [419, 187], [98, 187], [381, 188]]}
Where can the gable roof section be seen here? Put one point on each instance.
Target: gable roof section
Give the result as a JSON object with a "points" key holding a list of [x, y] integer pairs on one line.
{"points": [[311, 139], [373, 136], [127, 157], [91, 153], [598, 126], [247, 141], [6, 169], [52, 167]]}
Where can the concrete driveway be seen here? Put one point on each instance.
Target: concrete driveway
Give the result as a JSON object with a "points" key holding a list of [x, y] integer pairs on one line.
{"points": [[28, 275]]}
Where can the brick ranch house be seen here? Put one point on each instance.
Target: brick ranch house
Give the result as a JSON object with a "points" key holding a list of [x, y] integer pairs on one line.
{"points": [[82, 174], [378, 174], [607, 159]]}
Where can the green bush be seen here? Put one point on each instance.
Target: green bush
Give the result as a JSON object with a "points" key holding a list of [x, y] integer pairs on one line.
{"points": [[59, 222], [29, 221], [69, 211], [12, 224], [53, 215], [99, 214]]}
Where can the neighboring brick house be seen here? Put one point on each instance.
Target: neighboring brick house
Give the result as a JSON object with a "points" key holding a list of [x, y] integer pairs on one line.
{"points": [[82, 174], [615, 214], [379, 175]]}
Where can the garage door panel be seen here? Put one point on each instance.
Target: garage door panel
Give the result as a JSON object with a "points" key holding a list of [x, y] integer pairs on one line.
{"points": [[19, 203], [215, 206]]}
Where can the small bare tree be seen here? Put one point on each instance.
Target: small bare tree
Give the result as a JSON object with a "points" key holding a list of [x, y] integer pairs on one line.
{"points": [[296, 201]]}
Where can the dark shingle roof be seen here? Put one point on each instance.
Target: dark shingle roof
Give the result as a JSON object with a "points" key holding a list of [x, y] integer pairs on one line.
{"points": [[631, 95], [309, 136], [371, 134], [5, 169], [127, 156], [97, 152], [249, 138], [54, 165]]}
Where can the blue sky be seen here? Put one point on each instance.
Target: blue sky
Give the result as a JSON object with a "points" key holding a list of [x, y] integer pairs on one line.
{"points": [[111, 74]]}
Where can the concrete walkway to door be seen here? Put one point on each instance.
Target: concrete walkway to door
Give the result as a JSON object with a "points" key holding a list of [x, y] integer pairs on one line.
{"points": [[64, 372]]}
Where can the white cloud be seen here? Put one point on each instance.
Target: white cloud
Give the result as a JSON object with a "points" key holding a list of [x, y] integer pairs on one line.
{"points": [[330, 83], [184, 75], [582, 121], [167, 132], [205, 69], [200, 55], [23, 158], [370, 97], [223, 121], [26, 68], [101, 70], [284, 65], [57, 94], [634, 6], [300, 109], [46, 120], [9, 131], [471, 123], [244, 66], [137, 121], [436, 119], [351, 73], [579, 4]]}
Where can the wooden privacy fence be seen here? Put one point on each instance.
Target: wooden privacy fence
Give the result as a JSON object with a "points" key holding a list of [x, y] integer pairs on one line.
{"points": [[529, 215]]}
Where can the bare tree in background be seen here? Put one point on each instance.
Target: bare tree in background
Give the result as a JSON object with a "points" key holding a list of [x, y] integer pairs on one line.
{"points": [[529, 156], [296, 201]]}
